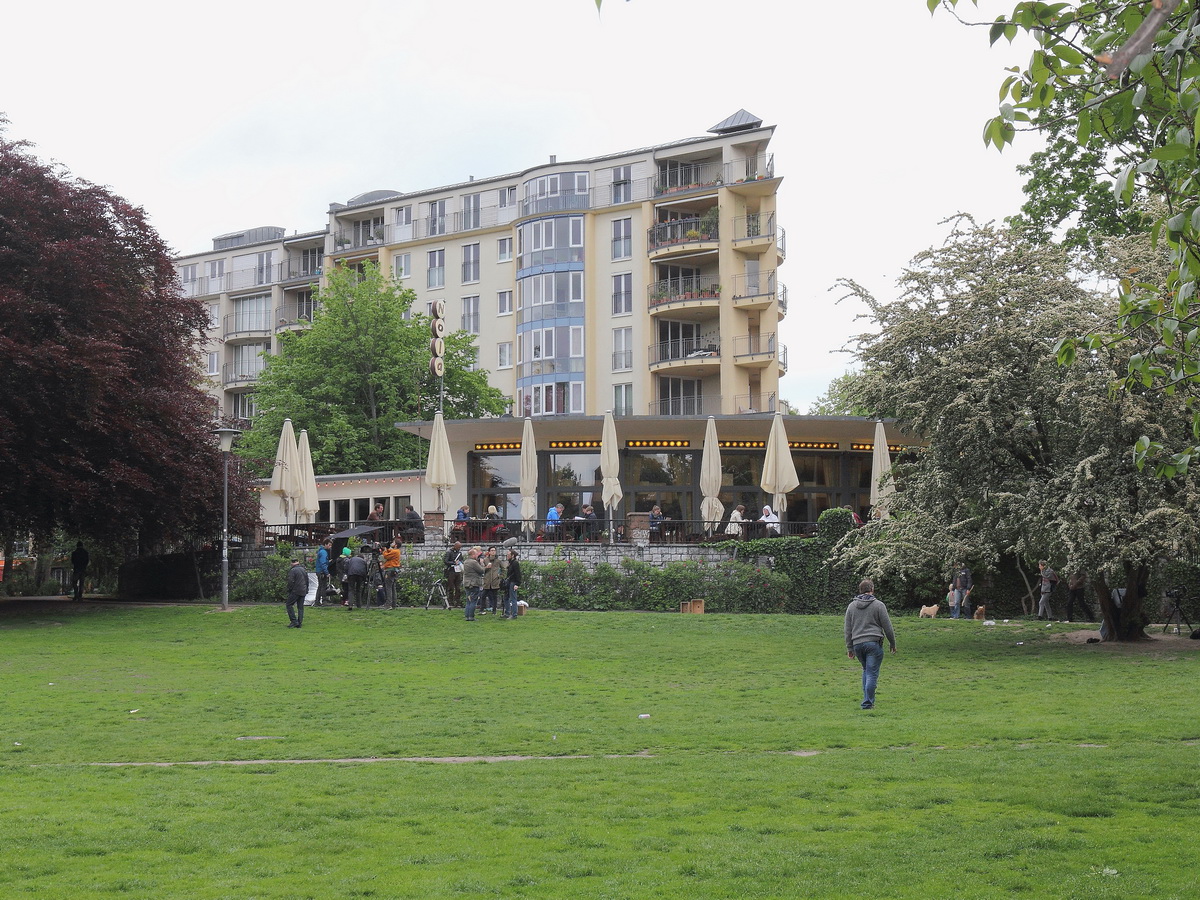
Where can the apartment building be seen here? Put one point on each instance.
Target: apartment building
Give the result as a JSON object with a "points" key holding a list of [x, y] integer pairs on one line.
{"points": [[645, 282]]}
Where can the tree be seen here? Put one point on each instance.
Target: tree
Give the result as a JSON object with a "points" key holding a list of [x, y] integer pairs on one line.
{"points": [[361, 368], [104, 430], [1123, 78], [840, 398], [1024, 456]]}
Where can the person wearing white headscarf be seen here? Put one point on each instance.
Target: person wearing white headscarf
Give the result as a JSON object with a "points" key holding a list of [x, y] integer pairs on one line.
{"points": [[770, 522]]}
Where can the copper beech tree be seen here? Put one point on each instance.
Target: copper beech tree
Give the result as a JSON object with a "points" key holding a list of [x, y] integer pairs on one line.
{"points": [[104, 430]]}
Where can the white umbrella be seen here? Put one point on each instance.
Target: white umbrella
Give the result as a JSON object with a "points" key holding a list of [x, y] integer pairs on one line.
{"points": [[439, 470], [610, 471], [307, 504], [711, 508], [285, 477], [882, 486], [779, 470], [528, 476]]}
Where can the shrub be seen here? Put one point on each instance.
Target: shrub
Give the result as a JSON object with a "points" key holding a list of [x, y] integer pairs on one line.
{"points": [[266, 583]]}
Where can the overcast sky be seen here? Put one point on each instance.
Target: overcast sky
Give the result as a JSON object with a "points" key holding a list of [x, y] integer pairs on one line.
{"points": [[220, 116]]}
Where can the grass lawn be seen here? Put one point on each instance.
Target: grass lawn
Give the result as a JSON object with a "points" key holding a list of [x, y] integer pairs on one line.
{"points": [[1005, 760]]}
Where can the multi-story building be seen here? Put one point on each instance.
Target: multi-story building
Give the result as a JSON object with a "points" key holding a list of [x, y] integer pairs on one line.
{"points": [[645, 282]]}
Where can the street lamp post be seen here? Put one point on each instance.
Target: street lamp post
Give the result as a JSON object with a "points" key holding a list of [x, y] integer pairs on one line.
{"points": [[226, 437]]}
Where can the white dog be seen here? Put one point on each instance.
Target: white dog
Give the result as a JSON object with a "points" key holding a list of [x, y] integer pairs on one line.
{"points": [[928, 612]]}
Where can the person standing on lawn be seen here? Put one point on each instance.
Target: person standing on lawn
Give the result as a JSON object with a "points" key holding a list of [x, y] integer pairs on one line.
{"points": [[297, 588], [322, 570], [79, 564], [867, 624], [472, 579], [1047, 582]]}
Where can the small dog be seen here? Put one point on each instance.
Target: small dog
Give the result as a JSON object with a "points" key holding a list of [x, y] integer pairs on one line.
{"points": [[928, 612], [980, 613]]}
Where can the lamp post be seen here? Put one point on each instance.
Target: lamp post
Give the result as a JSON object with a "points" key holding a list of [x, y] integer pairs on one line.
{"points": [[226, 436]]}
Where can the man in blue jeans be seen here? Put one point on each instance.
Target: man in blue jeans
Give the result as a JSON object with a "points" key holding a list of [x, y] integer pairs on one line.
{"points": [[867, 624]]}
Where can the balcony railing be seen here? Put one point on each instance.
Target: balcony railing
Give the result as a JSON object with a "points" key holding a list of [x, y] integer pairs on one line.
{"points": [[781, 243], [235, 373], [258, 276], [752, 168], [294, 314], [754, 403], [678, 290], [622, 360], [301, 270], [681, 231], [754, 344], [688, 176], [686, 406], [248, 324], [783, 301], [204, 286], [782, 357], [684, 348], [553, 203], [554, 365], [755, 225], [753, 286]]}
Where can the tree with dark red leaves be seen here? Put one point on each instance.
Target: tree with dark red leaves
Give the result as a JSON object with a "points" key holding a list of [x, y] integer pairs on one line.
{"points": [[104, 430]]}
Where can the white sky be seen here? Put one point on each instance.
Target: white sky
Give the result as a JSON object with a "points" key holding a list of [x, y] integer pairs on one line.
{"points": [[220, 116]]}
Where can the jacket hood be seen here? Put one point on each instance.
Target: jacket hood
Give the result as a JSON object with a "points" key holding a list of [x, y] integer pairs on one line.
{"points": [[862, 601]]}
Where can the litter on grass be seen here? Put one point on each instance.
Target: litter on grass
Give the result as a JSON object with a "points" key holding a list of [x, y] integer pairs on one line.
{"points": [[644, 715]]}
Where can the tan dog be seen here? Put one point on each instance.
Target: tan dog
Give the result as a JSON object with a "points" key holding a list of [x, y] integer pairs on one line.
{"points": [[928, 612], [980, 613]]}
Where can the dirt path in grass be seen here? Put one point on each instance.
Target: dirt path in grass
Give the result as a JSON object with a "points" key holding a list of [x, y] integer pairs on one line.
{"points": [[1157, 644]]}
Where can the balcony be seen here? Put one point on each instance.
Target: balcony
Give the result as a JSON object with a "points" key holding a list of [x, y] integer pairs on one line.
{"points": [[258, 276], [694, 298], [555, 203], [622, 192], [236, 374], [293, 316], [686, 406], [755, 402], [754, 290], [667, 238], [678, 177], [754, 233], [554, 365], [754, 351], [751, 176], [301, 270], [686, 357], [205, 286], [244, 325]]}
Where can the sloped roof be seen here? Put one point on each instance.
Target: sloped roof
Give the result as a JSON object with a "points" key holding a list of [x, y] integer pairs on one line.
{"points": [[739, 121]]}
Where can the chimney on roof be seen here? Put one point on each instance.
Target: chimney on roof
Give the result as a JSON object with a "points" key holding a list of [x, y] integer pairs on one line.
{"points": [[553, 159], [471, 177]]}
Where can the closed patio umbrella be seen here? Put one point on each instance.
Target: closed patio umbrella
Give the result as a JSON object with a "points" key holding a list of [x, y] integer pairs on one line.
{"points": [[881, 468], [439, 470], [711, 507], [779, 470], [529, 477], [610, 471], [285, 476], [307, 504]]}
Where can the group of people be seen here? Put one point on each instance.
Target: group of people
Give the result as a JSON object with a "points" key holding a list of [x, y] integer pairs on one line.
{"points": [[489, 578], [737, 519], [962, 584]]}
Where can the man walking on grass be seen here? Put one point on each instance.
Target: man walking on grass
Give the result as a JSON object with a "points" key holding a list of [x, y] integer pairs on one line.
{"points": [[867, 624], [297, 588]]}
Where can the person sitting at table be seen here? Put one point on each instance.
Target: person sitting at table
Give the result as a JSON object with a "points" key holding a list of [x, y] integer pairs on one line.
{"points": [[413, 523], [734, 528], [770, 522], [495, 523], [656, 519], [554, 522], [587, 526], [376, 515], [463, 514]]}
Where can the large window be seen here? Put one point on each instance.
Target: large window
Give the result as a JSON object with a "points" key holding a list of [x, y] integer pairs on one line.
{"points": [[622, 294], [214, 363], [622, 238], [622, 399], [470, 262], [504, 358], [368, 231], [679, 397], [435, 217], [249, 360], [470, 211], [306, 306], [402, 265], [504, 250], [470, 314], [549, 241], [242, 406], [553, 398], [435, 276], [252, 313], [622, 188], [552, 193], [622, 358], [504, 305]]}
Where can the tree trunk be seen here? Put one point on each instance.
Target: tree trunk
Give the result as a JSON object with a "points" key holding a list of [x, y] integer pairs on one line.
{"points": [[1126, 622]]}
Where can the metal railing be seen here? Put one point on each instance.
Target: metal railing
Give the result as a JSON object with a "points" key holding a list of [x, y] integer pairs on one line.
{"points": [[782, 357], [622, 360], [300, 270], [554, 365], [685, 348], [754, 226], [241, 373], [251, 324], [677, 290], [294, 314], [686, 406], [681, 231], [754, 344], [754, 403], [754, 286]]}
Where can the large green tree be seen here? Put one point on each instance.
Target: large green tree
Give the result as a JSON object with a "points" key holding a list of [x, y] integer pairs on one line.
{"points": [[361, 368], [1122, 80], [1024, 457]]}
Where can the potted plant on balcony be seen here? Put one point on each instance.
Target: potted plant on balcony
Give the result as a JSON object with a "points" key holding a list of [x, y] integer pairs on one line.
{"points": [[692, 234], [709, 222], [377, 232], [342, 242]]}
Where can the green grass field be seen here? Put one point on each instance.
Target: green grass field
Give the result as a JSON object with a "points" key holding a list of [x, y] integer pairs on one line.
{"points": [[356, 757]]}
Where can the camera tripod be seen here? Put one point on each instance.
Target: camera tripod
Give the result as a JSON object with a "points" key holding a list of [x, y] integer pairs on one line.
{"points": [[1176, 597]]}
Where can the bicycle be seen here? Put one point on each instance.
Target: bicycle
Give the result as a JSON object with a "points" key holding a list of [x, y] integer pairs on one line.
{"points": [[438, 591]]}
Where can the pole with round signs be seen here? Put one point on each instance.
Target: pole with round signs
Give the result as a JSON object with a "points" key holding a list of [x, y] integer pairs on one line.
{"points": [[437, 347]]}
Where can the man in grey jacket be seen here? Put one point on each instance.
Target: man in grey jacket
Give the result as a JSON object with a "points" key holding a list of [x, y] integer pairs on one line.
{"points": [[867, 624], [297, 588]]}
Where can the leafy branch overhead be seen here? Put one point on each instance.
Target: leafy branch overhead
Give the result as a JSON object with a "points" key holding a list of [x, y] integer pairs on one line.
{"points": [[1121, 80]]}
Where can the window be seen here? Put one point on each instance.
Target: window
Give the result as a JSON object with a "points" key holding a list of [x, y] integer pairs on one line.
{"points": [[435, 276], [504, 305], [404, 215], [622, 399], [187, 274], [402, 265], [216, 275], [470, 314], [622, 294], [252, 313], [214, 315], [622, 189], [214, 363], [508, 197], [470, 263], [504, 250], [622, 358], [622, 238], [310, 260], [243, 406], [368, 231], [436, 217], [470, 211], [577, 341], [305, 305], [504, 355], [249, 360]]}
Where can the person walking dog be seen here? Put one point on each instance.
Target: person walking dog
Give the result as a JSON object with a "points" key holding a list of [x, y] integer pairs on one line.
{"points": [[867, 624]]}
